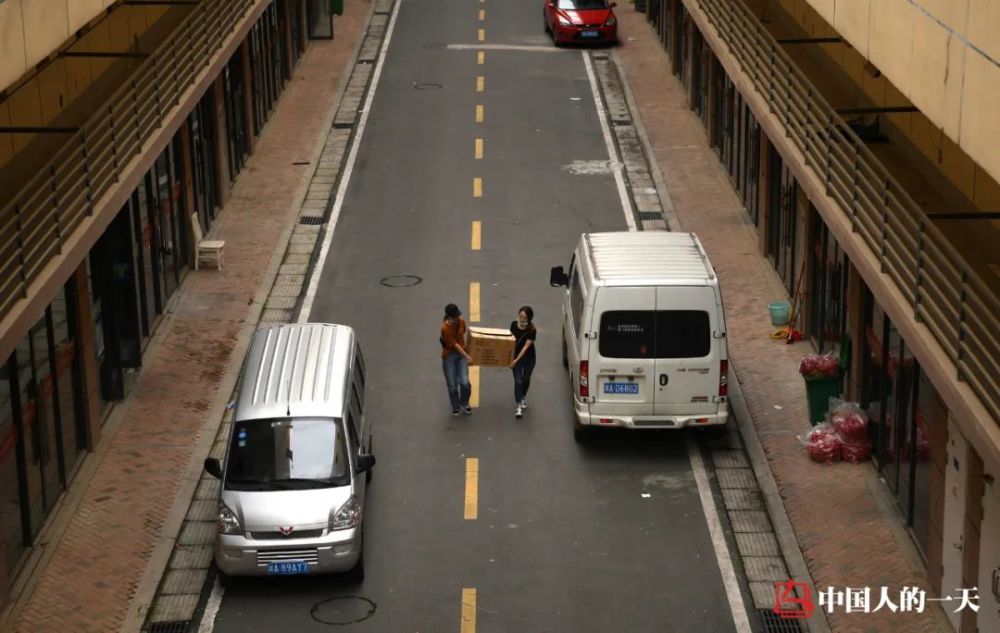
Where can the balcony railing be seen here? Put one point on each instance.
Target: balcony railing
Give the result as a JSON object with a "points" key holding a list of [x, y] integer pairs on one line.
{"points": [[945, 293], [35, 225]]}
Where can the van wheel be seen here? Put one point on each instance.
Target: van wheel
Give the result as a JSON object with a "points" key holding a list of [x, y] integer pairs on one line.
{"points": [[357, 573], [580, 432], [225, 580], [368, 476], [564, 354]]}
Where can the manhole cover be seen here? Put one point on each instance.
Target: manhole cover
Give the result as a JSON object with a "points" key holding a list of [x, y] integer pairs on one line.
{"points": [[427, 86], [343, 610], [400, 281]]}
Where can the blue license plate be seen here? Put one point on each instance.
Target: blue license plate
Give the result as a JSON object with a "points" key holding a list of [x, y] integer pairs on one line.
{"points": [[590, 33], [621, 387], [288, 567]]}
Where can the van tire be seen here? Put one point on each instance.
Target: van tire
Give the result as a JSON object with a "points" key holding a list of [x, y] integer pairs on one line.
{"points": [[580, 433], [225, 580], [565, 357], [357, 573]]}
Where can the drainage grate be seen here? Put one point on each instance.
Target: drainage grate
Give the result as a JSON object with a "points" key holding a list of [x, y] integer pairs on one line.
{"points": [[177, 626], [771, 622], [621, 122], [310, 219], [650, 215], [343, 126]]}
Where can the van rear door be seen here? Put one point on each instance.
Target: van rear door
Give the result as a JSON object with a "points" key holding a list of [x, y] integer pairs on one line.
{"points": [[622, 361], [687, 351]]}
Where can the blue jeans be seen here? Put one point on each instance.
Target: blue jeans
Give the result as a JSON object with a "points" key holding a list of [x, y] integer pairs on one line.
{"points": [[456, 375], [522, 378]]}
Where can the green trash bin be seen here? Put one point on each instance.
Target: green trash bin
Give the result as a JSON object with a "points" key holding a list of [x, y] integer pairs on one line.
{"points": [[818, 393]]}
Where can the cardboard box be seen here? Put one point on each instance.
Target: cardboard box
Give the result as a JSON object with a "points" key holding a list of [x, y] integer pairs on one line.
{"points": [[490, 347]]}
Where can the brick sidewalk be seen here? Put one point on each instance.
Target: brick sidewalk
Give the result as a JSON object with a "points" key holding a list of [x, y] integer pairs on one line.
{"points": [[844, 536], [101, 557]]}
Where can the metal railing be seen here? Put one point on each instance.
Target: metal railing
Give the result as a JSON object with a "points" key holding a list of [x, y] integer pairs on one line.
{"points": [[945, 293], [49, 207]]}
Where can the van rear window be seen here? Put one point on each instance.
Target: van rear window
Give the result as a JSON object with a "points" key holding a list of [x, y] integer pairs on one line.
{"points": [[627, 334], [659, 334]]}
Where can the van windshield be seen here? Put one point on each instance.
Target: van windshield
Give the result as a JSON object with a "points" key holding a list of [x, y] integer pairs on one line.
{"points": [[287, 454], [655, 334]]}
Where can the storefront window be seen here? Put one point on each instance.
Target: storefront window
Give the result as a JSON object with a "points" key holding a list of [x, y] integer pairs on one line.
{"points": [[319, 18], [11, 465], [929, 415], [781, 219], [203, 160], [69, 382], [827, 287]]}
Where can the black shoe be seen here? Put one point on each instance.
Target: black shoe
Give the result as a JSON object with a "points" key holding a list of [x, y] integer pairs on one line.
{"points": [[454, 412], [468, 411]]}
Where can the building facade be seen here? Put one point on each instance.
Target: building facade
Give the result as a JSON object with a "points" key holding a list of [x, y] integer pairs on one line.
{"points": [[128, 128], [880, 217]]}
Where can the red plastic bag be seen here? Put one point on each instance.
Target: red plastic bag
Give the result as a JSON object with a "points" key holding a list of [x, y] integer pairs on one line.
{"points": [[819, 366], [823, 445], [850, 421], [856, 452]]}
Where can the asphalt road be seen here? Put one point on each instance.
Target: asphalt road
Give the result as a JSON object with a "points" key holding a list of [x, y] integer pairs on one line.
{"points": [[564, 539]]}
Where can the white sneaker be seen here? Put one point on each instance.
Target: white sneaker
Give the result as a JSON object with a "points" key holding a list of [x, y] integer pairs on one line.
{"points": [[524, 404], [517, 411]]}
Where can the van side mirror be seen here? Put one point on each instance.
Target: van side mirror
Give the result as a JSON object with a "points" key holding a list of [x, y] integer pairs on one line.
{"points": [[558, 277], [213, 467], [365, 462]]}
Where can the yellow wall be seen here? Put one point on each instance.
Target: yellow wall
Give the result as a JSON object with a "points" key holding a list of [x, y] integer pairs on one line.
{"points": [[943, 55], [31, 29]]}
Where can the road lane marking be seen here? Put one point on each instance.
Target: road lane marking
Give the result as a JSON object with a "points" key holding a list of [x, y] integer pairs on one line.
{"points": [[481, 57], [479, 149], [729, 581], [474, 302], [212, 606], [609, 143], [482, 35], [468, 611], [509, 47], [471, 489], [352, 157], [479, 113], [474, 384], [477, 235], [477, 187], [482, 15], [480, 83]]}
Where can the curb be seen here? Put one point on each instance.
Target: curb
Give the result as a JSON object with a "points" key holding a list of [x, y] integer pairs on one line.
{"points": [[783, 530]]}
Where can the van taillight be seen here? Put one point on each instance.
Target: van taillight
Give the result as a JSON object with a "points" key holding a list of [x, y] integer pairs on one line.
{"points": [[723, 378], [584, 379]]}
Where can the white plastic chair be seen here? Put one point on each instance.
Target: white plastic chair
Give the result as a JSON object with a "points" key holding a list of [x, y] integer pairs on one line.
{"points": [[209, 249]]}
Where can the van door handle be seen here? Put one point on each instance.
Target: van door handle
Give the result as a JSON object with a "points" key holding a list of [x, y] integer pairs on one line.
{"points": [[664, 379]]}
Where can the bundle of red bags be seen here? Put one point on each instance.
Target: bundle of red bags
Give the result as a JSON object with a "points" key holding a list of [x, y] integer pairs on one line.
{"points": [[851, 425], [823, 445], [819, 366]]}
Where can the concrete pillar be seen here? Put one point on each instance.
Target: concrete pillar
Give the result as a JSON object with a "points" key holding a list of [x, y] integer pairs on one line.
{"points": [[221, 139]]}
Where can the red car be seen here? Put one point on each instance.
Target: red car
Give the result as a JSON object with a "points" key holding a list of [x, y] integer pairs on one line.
{"points": [[580, 21]]}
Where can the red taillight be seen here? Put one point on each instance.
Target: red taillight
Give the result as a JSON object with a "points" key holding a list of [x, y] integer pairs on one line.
{"points": [[723, 378], [584, 379]]}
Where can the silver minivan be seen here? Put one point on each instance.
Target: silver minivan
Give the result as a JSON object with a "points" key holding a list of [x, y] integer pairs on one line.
{"points": [[300, 455]]}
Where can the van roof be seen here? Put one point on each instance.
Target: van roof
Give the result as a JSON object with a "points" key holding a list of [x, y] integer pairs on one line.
{"points": [[654, 257], [299, 369]]}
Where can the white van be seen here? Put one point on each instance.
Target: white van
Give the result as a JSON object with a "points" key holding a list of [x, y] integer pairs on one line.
{"points": [[644, 332]]}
